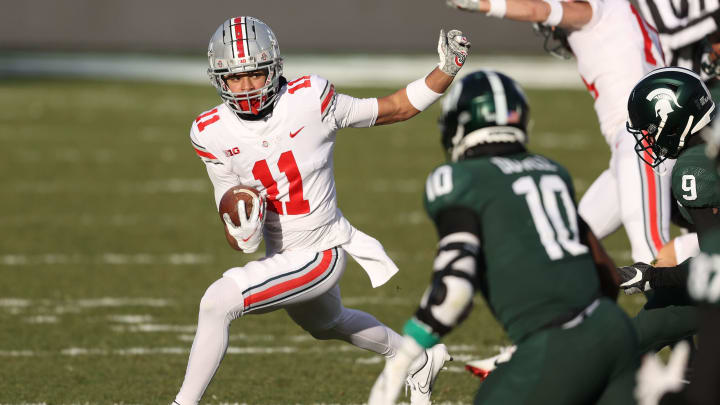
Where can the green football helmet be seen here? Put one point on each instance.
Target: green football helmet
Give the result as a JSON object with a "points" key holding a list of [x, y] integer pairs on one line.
{"points": [[665, 107], [484, 108]]}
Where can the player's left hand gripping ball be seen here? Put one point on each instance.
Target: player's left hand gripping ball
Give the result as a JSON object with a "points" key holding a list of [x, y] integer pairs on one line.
{"points": [[453, 49], [249, 234]]}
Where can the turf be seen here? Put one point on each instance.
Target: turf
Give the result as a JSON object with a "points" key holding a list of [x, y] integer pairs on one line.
{"points": [[109, 239]]}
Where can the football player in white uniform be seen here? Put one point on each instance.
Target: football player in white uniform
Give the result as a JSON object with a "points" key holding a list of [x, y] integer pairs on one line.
{"points": [[278, 136]]}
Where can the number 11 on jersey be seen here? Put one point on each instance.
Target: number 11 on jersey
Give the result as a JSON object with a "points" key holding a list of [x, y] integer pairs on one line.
{"points": [[298, 204]]}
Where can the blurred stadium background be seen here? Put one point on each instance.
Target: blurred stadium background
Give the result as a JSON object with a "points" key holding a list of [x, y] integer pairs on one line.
{"points": [[109, 235]]}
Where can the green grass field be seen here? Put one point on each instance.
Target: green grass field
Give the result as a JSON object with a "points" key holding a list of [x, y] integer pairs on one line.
{"points": [[110, 238]]}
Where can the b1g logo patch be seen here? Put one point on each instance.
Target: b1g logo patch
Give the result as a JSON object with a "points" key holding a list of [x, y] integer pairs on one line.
{"points": [[232, 152]]}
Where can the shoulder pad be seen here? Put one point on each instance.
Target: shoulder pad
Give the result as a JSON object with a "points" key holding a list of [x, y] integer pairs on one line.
{"points": [[446, 186], [695, 182], [199, 125]]}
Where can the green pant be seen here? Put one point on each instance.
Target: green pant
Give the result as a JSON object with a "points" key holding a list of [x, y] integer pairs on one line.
{"points": [[668, 317], [594, 362]]}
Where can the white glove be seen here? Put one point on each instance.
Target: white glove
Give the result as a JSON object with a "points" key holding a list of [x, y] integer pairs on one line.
{"points": [[453, 49], [387, 386], [469, 5], [654, 379], [249, 234]]}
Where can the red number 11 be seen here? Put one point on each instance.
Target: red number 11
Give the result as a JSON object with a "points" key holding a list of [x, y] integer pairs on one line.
{"points": [[297, 204]]}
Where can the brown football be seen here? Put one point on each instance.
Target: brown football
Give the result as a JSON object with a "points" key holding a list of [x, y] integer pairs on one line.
{"points": [[229, 202]]}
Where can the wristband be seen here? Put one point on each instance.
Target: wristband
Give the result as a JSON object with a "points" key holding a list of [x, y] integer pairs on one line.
{"points": [[420, 95], [556, 13], [497, 8]]}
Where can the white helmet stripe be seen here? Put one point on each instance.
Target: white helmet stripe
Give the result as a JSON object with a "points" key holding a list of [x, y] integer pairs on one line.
{"points": [[501, 111]]}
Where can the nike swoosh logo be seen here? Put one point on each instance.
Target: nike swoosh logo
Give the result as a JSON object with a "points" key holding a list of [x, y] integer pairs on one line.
{"points": [[425, 388], [637, 278], [292, 134]]}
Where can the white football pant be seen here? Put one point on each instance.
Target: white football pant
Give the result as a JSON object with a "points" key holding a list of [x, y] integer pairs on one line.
{"points": [[629, 193], [305, 284]]}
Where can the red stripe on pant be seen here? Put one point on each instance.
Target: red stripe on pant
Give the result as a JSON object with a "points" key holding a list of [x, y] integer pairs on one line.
{"points": [[652, 199], [291, 284], [647, 42]]}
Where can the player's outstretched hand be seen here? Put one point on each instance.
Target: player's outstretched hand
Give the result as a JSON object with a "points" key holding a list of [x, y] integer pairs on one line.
{"points": [[453, 49], [635, 278], [249, 234], [468, 5], [654, 379]]}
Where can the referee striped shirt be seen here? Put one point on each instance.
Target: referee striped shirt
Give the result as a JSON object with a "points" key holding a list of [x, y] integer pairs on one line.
{"points": [[682, 25]]}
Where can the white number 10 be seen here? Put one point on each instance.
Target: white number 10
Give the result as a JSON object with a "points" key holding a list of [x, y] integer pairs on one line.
{"points": [[551, 229]]}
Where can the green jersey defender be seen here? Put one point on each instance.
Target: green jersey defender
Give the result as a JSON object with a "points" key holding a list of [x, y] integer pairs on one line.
{"points": [[696, 187], [666, 110], [508, 226]]}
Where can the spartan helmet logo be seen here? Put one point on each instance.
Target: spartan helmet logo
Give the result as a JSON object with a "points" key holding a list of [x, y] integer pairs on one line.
{"points": [[664, 99]]}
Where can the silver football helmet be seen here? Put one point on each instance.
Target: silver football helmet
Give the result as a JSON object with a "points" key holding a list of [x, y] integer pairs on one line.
{"points": [[245, 44]]}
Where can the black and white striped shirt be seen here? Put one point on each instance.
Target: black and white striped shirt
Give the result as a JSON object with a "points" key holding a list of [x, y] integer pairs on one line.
{"points": [[682, 25]]}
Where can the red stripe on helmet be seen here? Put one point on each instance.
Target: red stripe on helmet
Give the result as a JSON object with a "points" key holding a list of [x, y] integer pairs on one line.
{"points": [[239, 24]]}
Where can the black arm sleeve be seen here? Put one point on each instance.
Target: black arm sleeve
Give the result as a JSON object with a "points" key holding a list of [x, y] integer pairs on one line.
{"points": [[671, 277], [705, 219], [457, 219], [462, 219]]}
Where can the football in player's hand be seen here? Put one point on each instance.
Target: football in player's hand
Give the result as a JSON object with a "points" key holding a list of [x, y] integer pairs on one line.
{"points": [[229, 202]]}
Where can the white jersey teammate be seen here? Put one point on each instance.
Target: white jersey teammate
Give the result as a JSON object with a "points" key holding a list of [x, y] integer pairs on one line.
{"points": [[614, 48], [278, 137]]}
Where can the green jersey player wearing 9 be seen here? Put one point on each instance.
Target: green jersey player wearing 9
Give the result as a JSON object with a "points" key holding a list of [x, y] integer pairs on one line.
{"points": [[492, 200], [667, 110]]}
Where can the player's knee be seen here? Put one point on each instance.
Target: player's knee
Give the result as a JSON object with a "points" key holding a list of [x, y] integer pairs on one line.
{"points": [[210, 303], [324, 334], [218, 300]]}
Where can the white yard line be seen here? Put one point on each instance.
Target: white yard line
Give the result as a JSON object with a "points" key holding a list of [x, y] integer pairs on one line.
{"points": [[108, 258], [344, 70]]}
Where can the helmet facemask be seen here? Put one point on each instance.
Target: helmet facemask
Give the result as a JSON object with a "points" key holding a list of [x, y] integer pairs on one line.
{"points": [[647, 149], [249, 103], [245, 44], [555, 41]]}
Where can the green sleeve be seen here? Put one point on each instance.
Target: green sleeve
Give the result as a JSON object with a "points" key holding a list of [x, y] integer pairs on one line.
{"points": [[449, 185], [695, 182]]}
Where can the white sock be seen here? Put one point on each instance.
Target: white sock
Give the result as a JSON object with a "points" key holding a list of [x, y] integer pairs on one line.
{"points": [[221, 303]]}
